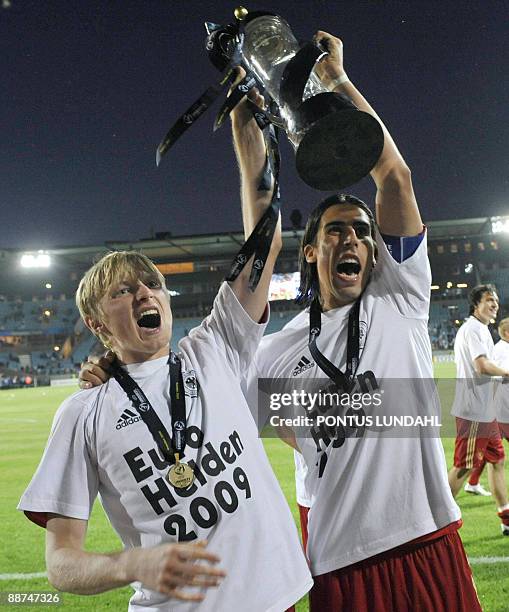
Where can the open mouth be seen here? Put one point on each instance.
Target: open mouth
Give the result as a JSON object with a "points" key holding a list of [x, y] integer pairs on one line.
{"points": [[150, 319], [348, 267]]}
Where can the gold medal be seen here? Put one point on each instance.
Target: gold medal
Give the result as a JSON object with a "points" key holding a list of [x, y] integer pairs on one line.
{"points": [[180, 475]]}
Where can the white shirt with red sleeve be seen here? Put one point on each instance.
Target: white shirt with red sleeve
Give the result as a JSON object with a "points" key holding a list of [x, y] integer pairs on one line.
{"points": [[473, 399]]}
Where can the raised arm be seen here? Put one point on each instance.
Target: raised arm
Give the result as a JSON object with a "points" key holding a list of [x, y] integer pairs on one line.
{"points": [[250, 150], [396, 207], [249, 145], [168, 568]]}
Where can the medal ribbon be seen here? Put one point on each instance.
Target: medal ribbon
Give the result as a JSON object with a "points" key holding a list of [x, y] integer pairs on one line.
{"points": [[171, 449], [343, 380], [260, 240], [236, 95], [208, 97], [193, 113]]}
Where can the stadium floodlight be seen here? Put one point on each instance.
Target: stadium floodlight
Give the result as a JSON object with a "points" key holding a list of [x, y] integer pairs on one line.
{"points": [[500, 225], [35, 260]]}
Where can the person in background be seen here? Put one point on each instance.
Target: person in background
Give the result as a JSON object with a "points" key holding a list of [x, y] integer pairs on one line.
{"points": [[477, 431]]}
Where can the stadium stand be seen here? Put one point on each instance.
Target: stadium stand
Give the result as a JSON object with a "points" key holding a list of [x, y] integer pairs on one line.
{"points": [[41, 336], [84, 348]]}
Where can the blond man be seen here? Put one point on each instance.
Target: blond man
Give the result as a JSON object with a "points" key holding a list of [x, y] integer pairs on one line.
{"points": [[170, 446]]}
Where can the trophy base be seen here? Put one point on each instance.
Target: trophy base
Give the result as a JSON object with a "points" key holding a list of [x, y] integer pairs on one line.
{"points": [[339, 149]]}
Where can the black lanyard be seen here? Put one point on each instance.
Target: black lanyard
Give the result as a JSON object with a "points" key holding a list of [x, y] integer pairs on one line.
{"points": [[260, 239], [343, 380], [170, 449]]}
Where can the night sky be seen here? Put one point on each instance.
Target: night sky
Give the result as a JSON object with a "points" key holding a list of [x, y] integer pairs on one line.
{"points": [[88, 89]]}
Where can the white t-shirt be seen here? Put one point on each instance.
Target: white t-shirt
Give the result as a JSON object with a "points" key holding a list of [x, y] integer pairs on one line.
{"points": [[501, 358], [99, 445], [473, 399], [375, 492], [301, 494], [301, 471]]}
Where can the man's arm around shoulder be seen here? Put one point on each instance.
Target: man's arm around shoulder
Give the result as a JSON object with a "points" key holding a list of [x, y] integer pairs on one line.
{"points": [[486, 366]]}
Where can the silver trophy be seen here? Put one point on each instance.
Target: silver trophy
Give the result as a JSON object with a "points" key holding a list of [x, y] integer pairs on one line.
{"points": [[336, 145]]}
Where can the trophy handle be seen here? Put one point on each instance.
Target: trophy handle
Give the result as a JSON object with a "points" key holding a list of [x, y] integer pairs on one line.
{"points": [[296, 74]]}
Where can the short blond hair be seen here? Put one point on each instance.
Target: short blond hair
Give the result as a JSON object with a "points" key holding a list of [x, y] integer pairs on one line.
{"points": [[503, 327], [111, 269]]}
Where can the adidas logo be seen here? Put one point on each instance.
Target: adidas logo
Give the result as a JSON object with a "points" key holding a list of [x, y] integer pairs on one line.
{"points": [[303, 365], [128, 417]]}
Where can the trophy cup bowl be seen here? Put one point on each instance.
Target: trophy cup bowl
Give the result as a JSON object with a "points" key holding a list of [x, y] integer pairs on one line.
{"points": [[335, 144], [340, 145]]}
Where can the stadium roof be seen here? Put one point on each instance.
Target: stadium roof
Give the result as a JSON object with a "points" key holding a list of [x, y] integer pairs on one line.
{"points": [[182, 248], [458, 228]]}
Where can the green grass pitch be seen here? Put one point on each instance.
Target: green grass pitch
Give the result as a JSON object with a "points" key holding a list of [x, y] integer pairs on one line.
{"points": [[25, 419]]}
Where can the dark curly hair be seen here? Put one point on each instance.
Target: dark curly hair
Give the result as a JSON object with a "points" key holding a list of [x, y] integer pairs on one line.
{"points": [[475, 296], [309, 288]]}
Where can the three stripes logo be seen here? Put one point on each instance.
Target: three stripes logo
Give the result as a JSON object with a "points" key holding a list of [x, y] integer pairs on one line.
{"points": [[303, 365], [128, 417]]}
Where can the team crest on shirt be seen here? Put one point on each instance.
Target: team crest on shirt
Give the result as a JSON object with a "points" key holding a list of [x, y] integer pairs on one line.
{"points": [[190, 383]]}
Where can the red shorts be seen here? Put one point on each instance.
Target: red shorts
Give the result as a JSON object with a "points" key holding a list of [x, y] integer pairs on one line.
{"points": [[504, 430], [303, 514], [428, 574], [477, 442]]}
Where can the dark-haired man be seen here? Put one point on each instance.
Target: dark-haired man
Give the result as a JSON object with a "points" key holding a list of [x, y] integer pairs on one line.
{"points": [[382, 530], [501, 358], [478, 437]]}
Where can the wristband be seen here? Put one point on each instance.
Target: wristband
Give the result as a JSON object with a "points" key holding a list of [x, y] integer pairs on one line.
{"points": [[339, 81]]}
